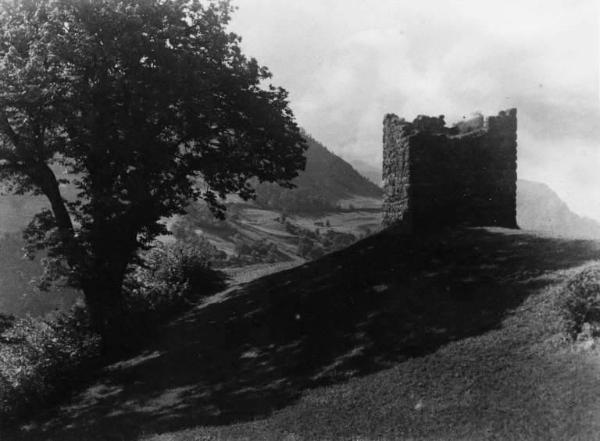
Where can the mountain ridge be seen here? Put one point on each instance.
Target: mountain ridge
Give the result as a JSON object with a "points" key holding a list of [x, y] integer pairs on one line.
{"points": [[326, 180]]}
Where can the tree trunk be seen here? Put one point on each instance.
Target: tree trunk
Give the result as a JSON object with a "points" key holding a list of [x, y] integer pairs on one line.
{"points": [[101, 277], [45, 178], [103, 292]]}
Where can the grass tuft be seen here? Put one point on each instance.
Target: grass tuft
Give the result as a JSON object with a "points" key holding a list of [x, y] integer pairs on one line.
{"points": [[579, 304]]}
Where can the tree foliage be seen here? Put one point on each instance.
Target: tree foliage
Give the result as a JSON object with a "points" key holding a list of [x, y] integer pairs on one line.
{"points": [[137, 107]]}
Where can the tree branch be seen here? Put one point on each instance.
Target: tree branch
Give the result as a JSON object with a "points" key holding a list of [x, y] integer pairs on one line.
{"points": [[43, 177], [8, 131]]}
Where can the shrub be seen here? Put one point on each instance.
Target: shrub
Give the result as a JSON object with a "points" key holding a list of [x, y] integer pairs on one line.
{"points": [[170, 278], [6, 321], [40, 358], [249, 252], [579, 305], [199, 215], [338, 240]]}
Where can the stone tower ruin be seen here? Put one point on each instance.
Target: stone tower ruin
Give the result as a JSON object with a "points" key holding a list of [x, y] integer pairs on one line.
{"points": [[435, 176]]}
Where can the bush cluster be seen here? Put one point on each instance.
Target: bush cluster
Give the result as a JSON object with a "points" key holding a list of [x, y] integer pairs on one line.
{"points": [[579, 304], [250, 252], [297, 200], [170, 278], [39, 359], [314, 244]]}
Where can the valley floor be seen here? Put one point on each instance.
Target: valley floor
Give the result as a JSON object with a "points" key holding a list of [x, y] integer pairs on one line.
{"points": [[452, 336]]}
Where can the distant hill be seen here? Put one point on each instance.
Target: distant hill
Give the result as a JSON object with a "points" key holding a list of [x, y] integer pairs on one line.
{"points": [[326, 180], [371, 172], [540, 208]]}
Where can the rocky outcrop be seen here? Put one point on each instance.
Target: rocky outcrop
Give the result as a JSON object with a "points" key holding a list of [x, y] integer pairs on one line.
{"points": [[435, 175]]}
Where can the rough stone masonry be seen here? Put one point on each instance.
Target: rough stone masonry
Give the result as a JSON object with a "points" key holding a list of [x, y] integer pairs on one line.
{"points": [[436, 176]]}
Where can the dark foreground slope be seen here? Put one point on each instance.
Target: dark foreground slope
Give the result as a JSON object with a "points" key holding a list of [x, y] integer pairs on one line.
{"points": [[450, 336]]}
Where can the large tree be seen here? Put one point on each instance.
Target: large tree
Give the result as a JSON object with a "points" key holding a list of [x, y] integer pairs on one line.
{"points": [[141, 105]]}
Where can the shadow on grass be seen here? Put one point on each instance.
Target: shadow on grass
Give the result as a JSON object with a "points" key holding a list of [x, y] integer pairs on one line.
{"points": [[255, 349]]}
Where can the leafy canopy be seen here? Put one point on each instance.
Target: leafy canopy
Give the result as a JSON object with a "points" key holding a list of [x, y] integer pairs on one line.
{"points": [[141, 105]]}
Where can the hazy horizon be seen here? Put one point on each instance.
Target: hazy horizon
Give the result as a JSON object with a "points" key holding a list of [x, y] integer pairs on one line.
{"points": [[347, 63]]}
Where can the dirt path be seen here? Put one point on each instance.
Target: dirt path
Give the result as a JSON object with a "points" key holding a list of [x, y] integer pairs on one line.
{"points": [[249, 273]]}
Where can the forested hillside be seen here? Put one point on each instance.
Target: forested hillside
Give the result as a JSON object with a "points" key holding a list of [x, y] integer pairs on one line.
{"points": [[326, 180]]}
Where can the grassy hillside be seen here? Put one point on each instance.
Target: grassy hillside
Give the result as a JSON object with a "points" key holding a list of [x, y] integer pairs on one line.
{"points": [[331, 207], [326, 180], [250, 233], [452, 336], [369, 171]]}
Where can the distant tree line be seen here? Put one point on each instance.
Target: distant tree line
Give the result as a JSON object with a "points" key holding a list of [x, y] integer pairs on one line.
{"points": [[314, 244], [299, 200]]}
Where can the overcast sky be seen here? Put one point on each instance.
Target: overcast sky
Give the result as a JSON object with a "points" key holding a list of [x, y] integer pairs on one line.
{"points": [[346, 63]]}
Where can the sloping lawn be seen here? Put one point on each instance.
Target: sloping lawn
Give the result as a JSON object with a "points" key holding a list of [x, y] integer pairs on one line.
{"points": [[441, 337]]}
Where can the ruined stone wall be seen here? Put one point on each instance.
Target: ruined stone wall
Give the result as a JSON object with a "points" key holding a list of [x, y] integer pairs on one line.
{"points": [[462, 175]]}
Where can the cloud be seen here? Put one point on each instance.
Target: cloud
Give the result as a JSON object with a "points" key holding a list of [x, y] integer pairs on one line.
{"points": [[347, 63]]}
